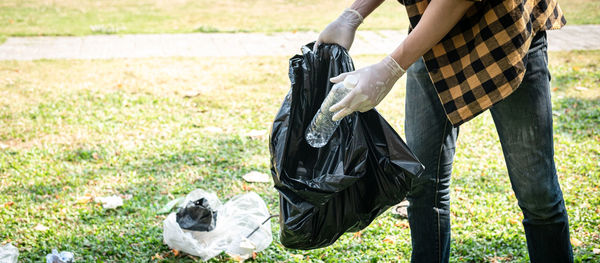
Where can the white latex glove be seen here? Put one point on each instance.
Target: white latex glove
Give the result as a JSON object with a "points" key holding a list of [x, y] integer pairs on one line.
{"points": [[374, 83], [342, 30]]}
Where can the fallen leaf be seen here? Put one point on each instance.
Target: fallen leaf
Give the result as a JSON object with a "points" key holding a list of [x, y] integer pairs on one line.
{"points": [[389, 240], [254, 255], [576, 68], [191, 93], [256, 177], [157, 256], [8, 204], [246, 187], [237, 258], [256, 134], [513, 221], [596, 251], [95, 156], [41, 228], [211, 129], [3, 146], [576, 242], [402, 224], [175, 252], [84, 199]]}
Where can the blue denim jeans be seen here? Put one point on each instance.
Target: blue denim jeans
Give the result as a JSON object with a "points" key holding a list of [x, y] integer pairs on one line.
{"points": [[524, 125]]}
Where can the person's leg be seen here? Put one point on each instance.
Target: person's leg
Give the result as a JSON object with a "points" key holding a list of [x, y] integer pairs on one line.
{"points": [[524, 125], [431, 137]]}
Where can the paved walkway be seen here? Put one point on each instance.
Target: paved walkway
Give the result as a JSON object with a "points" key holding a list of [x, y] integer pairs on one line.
{"points": [[239, 44]]}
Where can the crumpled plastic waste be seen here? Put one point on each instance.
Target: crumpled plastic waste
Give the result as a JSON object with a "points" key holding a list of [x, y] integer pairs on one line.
{"points": [[110, 202], [169, 206], [9, 253], [62, 257], [197, 215], [257, 177], [401, 209], [242, 227]]}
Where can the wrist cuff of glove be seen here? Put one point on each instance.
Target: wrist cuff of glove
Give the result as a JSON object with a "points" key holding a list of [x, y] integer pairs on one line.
{"points": [[396, 69], [353, 16]]}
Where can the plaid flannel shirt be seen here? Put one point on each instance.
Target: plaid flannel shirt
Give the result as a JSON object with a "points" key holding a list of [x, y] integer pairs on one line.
{"points": [[483, 58]]}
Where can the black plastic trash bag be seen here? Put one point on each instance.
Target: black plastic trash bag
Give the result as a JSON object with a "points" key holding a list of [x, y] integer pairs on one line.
{"points": [[364, 169], [197, 216]]}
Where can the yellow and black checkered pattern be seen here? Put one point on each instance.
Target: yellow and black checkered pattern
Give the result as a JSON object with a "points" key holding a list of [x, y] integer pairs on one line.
{"points": [[483, 58]]}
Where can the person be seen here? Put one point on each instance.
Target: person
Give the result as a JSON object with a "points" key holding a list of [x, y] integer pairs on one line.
{"points": [[462, 58]]}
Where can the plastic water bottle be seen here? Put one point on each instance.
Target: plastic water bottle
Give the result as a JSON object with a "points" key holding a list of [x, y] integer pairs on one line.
{"points": [[321, 127]]}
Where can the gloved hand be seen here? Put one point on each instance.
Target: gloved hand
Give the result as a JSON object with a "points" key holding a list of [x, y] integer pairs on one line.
{"points": [[342, 30], [374, 83]]}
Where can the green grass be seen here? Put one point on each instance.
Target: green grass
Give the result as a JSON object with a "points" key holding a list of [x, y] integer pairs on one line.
{"points": [[85, 17], [581, 12], [74, 129], [35, 17]]}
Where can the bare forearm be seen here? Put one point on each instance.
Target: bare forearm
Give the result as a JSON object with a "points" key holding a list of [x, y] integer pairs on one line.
{"points": [[439, 17], [365, 7]]}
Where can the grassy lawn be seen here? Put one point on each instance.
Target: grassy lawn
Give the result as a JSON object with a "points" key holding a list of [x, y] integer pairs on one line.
{"points": [[580, 12], [75, 129], [70, 17], [85, 17]]}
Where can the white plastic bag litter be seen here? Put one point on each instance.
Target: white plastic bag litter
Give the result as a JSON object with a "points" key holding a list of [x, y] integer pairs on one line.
{"points": [[62, 257], [236, 219], [110, 202], [8, 253]]}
